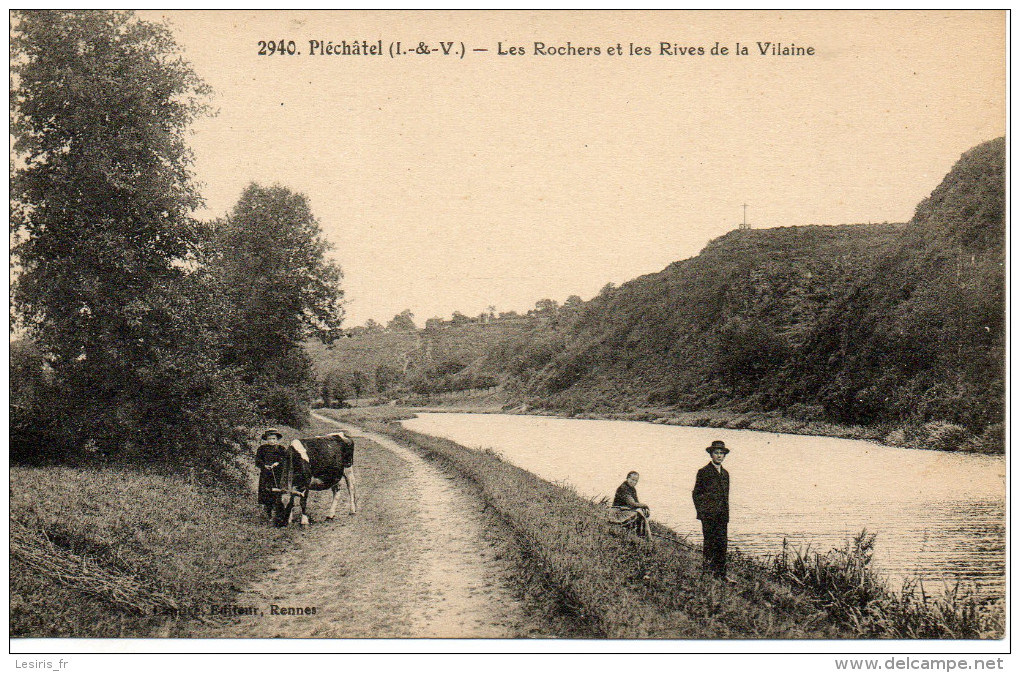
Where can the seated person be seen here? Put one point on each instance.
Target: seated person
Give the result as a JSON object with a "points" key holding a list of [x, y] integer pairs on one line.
{"points": [[627, 509]]}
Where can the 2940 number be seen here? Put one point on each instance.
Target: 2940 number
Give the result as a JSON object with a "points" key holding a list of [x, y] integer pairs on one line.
{"points": [[270, 47]]}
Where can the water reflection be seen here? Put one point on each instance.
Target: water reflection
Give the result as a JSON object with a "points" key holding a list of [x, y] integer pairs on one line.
{"points": [[938, 516]]}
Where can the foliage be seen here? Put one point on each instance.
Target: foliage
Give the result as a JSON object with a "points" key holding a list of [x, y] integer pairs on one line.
{"points": [[32, 395], [105, 282], [922, 338], [842, 580], [269, 258], [403, 322]]}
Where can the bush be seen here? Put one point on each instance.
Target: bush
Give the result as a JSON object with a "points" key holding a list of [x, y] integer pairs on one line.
{"points": [[992, 440], [284, 405], [942, 436], [843, 581]]}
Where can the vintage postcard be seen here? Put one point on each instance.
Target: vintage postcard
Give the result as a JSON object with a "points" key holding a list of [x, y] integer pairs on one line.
{"points": [[510, 331]]}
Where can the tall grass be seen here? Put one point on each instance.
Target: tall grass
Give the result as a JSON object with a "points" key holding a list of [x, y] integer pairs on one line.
{"points": [[108, 552], [845, 584]]}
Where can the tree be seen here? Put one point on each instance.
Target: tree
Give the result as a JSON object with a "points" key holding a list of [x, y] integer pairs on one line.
{"points": [[572, 307], [104, 244], [545, 306], [373, 326], [360, 382], [403, 322], [270, 257], [386, 376], [573, 302], [336, 387]]}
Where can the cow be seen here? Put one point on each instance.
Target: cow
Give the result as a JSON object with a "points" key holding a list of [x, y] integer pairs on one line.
{"points": [[309, 464]]}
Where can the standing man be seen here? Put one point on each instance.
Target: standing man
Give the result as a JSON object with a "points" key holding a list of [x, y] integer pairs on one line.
{"points": [[712, 502]]}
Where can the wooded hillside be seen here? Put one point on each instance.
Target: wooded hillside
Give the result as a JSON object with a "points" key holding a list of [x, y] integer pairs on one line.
{"points": [[894, 326]]}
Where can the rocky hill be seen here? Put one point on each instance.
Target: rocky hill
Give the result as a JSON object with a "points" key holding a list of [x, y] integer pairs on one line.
{"points": [[899, 327]]}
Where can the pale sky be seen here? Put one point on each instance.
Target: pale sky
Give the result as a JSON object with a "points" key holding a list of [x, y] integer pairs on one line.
{"points": [[451, 184]]}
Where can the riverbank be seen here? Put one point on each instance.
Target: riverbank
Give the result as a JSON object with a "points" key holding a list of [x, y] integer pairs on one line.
{"points": [[120, 552], [109, 552], [936, 436], [114, 552], [628, 589], [422, 558]]}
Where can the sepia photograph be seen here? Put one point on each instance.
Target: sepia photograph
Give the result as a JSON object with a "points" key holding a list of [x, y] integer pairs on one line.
{"points": [[509, 331]]}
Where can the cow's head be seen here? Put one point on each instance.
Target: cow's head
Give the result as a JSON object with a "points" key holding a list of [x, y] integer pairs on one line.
{"points": [[346, 446]]}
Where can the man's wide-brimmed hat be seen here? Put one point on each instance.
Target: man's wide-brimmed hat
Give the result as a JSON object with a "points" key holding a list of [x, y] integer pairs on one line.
{"points": [[718, 444], [272, 431]]}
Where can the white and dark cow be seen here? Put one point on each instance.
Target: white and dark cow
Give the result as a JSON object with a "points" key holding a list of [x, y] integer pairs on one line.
{"points": [[311, 464]]}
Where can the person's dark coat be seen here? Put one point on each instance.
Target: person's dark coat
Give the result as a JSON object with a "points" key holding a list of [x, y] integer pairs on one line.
{"points": [[626, 496], [265, 456], [712, 493]]}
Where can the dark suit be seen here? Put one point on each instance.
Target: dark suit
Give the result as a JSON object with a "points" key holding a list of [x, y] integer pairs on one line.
{"points": [[712, 502]]}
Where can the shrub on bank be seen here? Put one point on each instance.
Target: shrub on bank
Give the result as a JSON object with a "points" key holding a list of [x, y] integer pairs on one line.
{"points": [[943, 436], [845, 584]]}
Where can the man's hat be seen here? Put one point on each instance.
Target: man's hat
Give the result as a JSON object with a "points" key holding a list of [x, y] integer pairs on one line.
{"points": [[272, 431], [718, 444]]}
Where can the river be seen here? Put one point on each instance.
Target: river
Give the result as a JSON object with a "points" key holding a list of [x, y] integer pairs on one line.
{"points": [[938, 516]]}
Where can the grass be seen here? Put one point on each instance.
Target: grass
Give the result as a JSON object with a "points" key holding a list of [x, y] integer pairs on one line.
{"points": [[853, 594], [115, 551], [625, 588]]}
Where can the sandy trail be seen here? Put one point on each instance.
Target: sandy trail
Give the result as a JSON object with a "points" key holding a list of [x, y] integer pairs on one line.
{"points": [[420, 560]]}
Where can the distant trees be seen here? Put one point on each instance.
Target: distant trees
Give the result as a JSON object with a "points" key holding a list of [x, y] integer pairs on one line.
{"points": [[280, 289], [403, 322], [546, 306], [103, 241], [387, 376], [573, 302]]}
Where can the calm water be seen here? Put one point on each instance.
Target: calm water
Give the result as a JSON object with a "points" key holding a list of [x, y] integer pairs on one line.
{"points": [[939, 516]]}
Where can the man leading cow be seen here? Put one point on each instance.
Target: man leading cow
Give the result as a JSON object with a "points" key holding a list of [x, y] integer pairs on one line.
{"points": [[289, 473]]}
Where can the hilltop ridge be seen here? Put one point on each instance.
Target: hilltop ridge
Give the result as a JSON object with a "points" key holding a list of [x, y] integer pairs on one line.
{"points": [[895, 327]]}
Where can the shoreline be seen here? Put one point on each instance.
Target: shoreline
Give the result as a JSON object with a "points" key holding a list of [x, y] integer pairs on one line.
{"points": [[931, 437], [604, 571], [579, 575]]}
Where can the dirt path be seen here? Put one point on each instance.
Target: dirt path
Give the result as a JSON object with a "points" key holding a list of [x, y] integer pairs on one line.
{"points": [[420, 559]]}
